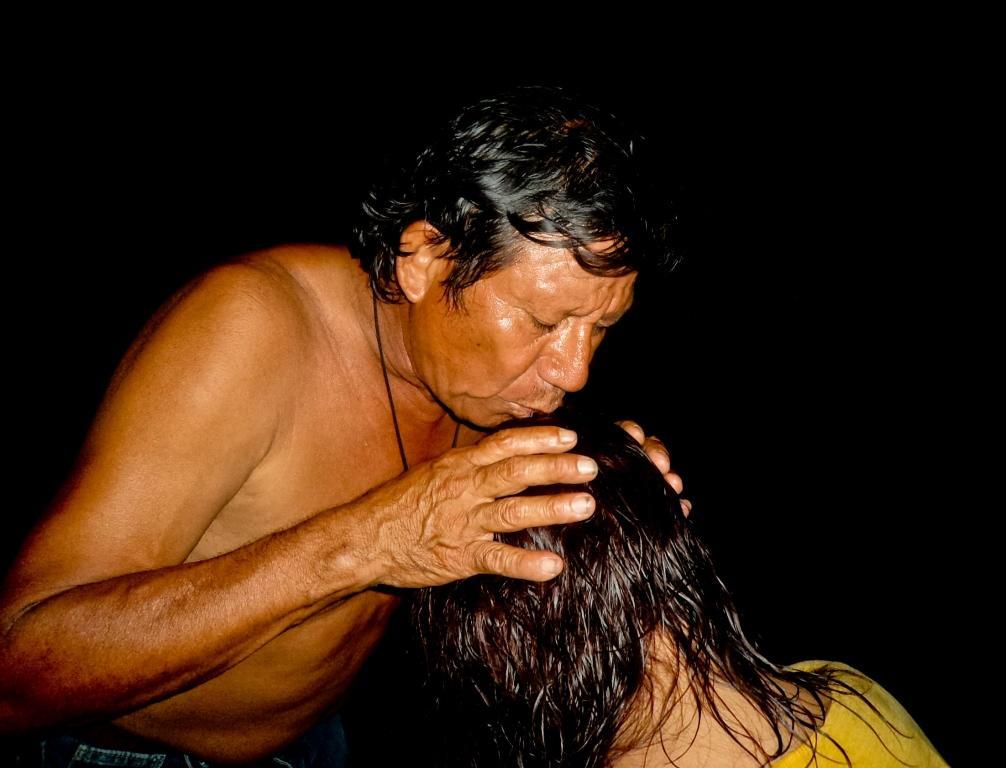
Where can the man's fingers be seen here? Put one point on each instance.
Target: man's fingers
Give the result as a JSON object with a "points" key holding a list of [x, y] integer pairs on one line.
{"points": [[515, 513], [519, 473], [654, 448], [515, 562], [658, 453], [520, 441], [686, 507], [633, 429], [674, 480]]}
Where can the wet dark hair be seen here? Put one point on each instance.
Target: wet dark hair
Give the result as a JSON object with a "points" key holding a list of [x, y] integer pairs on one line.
{"points": [[552, 674], [530, 162]]}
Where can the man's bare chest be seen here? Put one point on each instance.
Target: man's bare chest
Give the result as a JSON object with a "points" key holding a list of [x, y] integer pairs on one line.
{"points": [[330, 454]]}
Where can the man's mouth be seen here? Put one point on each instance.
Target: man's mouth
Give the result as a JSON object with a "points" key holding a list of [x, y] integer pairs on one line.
{"points": [[527, 411], [523, 412]]}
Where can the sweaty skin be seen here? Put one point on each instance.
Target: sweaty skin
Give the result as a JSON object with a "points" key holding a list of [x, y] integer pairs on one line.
{"points": [[244, 475]]}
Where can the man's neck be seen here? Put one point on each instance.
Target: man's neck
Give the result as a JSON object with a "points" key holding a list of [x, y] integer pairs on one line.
{"points": [[413, 401]]}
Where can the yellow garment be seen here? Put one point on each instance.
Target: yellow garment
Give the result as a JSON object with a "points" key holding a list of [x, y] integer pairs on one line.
{"points": [[860, 743]]}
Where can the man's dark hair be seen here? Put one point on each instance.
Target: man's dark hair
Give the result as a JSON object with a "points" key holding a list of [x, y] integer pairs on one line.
{"points": [[549, 674], [532, 161]]}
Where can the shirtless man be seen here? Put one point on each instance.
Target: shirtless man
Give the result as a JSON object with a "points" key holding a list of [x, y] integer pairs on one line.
{"points": [[204, 580]]}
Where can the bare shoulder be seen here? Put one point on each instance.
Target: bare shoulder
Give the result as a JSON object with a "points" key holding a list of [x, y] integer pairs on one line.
{"points": [[192, 409], [325, 279], [256, 312], [253, 290]]}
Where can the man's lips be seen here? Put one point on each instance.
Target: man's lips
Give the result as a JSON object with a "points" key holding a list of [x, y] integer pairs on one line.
{"points": [[526, 411], [521, 412]]}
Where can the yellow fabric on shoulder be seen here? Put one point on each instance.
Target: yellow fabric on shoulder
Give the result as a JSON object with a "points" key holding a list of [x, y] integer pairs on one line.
{"points": [[868, 744]]}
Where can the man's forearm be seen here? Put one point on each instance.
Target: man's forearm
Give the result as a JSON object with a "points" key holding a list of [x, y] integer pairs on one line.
{"points": [[106, 648]]}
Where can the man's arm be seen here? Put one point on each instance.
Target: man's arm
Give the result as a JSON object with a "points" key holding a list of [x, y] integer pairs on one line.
{"points": [[101, 615]]}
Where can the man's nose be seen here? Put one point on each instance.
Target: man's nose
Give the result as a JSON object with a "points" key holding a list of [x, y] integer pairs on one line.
{"points": [[568, 359]]}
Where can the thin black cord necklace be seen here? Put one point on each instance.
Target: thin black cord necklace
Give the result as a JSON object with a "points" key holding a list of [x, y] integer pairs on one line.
{"points": [[391, 400]]}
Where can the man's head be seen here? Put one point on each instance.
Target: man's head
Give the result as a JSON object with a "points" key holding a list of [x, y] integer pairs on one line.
{"points": [[530, 209], [524, 337]]}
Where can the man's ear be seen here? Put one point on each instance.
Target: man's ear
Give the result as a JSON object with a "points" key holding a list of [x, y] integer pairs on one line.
{"points": [[419, 265]]}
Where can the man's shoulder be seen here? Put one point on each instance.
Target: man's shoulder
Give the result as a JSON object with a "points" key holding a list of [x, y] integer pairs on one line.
{"points": [[279, 291], [258, 329], [226, 324], [311, 286], [308, 267], [255, 282]]}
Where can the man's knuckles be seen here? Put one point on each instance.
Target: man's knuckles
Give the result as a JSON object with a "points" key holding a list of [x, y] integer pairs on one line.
{"points": [[520, 512], [513, 562], [511, 514], [526, 440]]}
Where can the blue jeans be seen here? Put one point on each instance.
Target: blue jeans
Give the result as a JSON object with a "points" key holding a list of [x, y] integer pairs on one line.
{"points": [[324, 746]]}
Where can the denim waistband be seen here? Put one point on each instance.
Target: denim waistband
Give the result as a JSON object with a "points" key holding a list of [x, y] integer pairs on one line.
{"points": [[324, 746]]}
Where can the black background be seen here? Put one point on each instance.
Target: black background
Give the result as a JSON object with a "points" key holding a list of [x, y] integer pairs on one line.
{"points": [[807, 361]]}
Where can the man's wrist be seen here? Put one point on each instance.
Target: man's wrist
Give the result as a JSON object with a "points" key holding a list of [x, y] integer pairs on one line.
{"points": [[346, 558]]}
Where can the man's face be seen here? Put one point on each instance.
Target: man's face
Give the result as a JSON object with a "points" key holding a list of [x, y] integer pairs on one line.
{"points": [[524, 339]]}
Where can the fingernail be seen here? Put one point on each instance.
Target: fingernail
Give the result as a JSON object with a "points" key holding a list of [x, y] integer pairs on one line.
{"points": [[551, 567], [566, 436], [581, 505], [586, 466]]}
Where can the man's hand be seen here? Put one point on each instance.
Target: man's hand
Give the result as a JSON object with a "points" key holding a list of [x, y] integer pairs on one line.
{"points": [[661, 457], [435, 523]]}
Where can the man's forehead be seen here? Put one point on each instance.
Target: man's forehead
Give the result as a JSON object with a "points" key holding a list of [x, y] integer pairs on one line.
{"points": [[525, 246], [553, 275]]}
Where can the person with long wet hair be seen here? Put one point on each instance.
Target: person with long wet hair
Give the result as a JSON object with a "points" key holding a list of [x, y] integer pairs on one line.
{"points": [[634, 655]]}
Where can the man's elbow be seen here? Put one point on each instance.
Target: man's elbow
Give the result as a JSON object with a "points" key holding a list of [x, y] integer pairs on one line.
{"points": [[28, 698], [14, 718], [10, 615], [21, 706]]}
